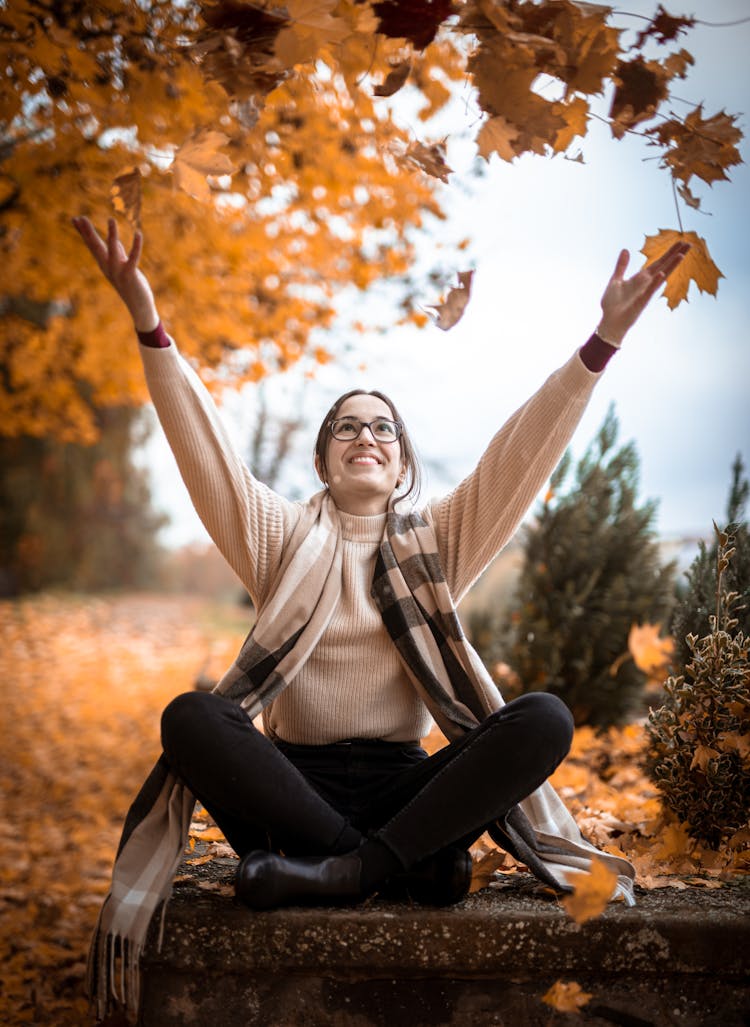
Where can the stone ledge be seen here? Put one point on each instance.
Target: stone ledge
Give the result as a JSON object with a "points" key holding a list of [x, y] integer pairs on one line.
{"points": [[679, 957]]}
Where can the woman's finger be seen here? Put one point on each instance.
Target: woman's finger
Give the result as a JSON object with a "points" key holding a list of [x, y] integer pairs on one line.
{"points": [[135, 252], [112, 241], [669, 260], [92, 239], [621, 266]]}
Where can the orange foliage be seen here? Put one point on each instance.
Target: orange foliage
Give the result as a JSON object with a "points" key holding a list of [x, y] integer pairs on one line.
{"points": [[258, 146], [85, 683]]}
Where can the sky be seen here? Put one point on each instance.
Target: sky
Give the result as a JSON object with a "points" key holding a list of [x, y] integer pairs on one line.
{"points": [[544, 238]]}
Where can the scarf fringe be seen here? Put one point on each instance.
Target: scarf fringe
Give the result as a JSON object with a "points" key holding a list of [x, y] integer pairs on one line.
{"points": [[114, 975]]}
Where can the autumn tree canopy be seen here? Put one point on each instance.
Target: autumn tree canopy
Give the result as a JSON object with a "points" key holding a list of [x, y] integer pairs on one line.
{"points": [[257, 145]]}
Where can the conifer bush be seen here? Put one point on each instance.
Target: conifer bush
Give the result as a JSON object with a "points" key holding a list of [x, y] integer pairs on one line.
{"points": [[591, 570], [699, 739], [697, 598]]}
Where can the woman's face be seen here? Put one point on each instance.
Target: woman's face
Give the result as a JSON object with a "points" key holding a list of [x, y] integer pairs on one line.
{"points": [[362, 472]]}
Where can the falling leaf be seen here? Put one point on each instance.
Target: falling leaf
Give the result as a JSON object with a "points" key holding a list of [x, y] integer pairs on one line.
{"points": [[394, 81], [126, 195], [566, 997], [664, 28], [650, 652], [497, 136], [431, 159], [483, 869], [198, 157], [696, 266], [450, 312], [688, 197], [591, 892]]}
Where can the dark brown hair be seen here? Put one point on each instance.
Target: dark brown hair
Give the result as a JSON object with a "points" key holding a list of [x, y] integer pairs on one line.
{"points": [[413, 479]]}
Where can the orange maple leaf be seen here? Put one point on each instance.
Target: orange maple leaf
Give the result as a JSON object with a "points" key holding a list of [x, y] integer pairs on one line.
{"points": [[566, 996], [198, 157], [696, 267], [576, 114], [483, 869], [497, 136], [733, 741], [431, 159], [591, 892], [313, 27], [125, 194], [701, 756], [673, 842], [395, 79], [700, 146], [650, 652]]}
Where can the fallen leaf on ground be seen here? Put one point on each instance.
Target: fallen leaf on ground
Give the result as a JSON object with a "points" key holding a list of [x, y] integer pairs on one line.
{"points": [[483, 869], [566, 996]]}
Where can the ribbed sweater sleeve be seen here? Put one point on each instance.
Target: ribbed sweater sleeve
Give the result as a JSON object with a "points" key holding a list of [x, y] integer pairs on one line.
{"points": [[474, 521], [248, 521]]}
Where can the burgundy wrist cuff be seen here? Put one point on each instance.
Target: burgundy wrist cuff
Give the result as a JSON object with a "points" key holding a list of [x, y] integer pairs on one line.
{"points": [[596, 353], [157, 339]]}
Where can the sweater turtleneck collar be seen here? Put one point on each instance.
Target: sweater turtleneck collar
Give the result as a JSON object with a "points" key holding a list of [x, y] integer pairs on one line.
{"points": [[355, 528]]}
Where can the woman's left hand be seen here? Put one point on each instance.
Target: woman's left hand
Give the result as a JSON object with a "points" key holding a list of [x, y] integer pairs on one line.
{"points": [[625, 299]]}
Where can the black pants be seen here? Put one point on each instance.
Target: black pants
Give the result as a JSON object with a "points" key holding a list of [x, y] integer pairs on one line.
{"points": [[323, 799]]}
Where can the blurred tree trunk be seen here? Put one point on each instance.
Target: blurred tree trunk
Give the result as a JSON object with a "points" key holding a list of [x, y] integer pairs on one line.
{"points": [[77, 516]]}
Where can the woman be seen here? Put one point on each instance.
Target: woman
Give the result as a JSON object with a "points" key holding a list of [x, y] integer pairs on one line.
{"points": [[356, 648]]}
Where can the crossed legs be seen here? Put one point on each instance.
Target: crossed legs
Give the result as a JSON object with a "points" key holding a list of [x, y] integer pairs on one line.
{"points": [[261, 801]]}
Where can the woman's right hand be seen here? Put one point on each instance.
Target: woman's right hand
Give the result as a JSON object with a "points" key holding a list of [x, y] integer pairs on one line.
{"points": [[122, 271]]}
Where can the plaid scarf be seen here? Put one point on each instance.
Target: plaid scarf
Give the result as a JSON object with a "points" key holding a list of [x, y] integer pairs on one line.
{"points": [[410, 590]]}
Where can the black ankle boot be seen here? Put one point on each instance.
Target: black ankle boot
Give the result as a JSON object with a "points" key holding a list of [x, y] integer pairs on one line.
{"points": [[266, 881], [440, 880]]}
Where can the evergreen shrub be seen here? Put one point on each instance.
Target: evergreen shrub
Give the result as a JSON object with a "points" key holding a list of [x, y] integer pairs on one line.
{"points": [[699, 739], [697, 598], [591, 570]]}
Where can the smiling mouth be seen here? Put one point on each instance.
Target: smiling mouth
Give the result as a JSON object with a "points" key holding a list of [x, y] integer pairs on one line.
{"points": [[366, 460]]}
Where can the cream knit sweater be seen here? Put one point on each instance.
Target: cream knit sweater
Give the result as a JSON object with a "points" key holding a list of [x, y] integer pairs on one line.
{"points": [[353, 685]]}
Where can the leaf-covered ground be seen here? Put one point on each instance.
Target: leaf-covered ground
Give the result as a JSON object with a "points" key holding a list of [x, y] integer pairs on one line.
{"points": [[83, 683]]}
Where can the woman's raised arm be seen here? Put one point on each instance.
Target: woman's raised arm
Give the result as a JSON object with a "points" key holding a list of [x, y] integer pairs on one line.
{"points": [[247, 521], [121, 271], [475, 520]]}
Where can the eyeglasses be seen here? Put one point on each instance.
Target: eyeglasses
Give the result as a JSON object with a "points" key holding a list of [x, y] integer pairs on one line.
{"points": [[346, 429]]}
